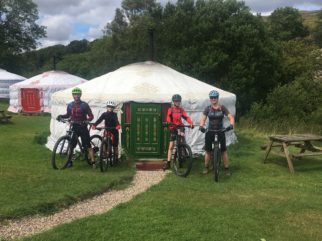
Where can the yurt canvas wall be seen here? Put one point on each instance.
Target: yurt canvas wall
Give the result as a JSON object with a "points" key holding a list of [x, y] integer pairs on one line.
{"points": [[7, 79], [146, 82], [34, 94]]}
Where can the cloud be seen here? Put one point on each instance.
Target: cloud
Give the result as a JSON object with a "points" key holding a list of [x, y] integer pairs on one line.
{"points": [[68, 20], [269, 6]]}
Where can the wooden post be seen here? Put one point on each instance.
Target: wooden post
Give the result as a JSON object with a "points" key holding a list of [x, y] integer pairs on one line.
{"points": [[268, 149], [289, 159]]}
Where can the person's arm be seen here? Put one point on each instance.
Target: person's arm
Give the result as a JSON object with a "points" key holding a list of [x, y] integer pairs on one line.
{"points": [[229, 115], [99, 120], [68, 112], [187, 118], [89, 114], [203, 119], [169, 119]]}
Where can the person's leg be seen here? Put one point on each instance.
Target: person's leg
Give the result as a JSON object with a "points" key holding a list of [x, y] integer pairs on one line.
{"points": [[224, 153], [84, 134], [208, 147], [166, 164], [115, 144]]}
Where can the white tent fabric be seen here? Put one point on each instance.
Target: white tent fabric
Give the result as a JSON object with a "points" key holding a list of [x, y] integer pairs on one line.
{"points": [[7, 79], [145, 82], [48, 83]]}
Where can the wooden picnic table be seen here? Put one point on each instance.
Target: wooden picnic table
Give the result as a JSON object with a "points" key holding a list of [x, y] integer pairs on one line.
{"points": [[301, 141], [4, 117]]}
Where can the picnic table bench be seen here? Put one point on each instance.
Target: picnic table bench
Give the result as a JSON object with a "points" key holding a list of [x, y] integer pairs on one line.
{"points": [[4, 117], [301, 141]]}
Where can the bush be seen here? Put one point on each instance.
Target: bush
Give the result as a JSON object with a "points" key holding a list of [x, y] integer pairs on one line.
{"points": [[41, 138]]}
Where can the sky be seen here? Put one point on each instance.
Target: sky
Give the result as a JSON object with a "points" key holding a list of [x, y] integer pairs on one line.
{"points": [[68, 20]]}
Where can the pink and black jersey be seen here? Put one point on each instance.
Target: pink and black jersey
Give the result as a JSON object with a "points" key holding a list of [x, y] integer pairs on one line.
{"points": [[79, 112]]}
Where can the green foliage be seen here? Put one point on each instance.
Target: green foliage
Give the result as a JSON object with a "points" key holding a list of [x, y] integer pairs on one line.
{"points": [[286, 24], [291, 106], [18, 29], [317, 32]]}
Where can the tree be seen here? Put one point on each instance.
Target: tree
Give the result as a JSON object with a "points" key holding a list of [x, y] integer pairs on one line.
{"points": [[317, 32], [286, 24], [18, 28]]}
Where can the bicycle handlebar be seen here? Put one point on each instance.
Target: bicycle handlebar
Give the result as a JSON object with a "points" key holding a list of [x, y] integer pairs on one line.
{"points": [[220, 130], [105, 128]]}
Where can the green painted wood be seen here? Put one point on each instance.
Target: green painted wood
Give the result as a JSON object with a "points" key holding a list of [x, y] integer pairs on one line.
{"points": [[146, 130]]}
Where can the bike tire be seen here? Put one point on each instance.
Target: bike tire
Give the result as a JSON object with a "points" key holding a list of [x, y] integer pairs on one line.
{"points": [[62, 153], [96, 141], [110, 152], [182, 160], [103, 163], [216, 164]]}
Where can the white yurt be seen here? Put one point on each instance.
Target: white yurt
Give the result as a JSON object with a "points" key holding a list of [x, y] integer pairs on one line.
{"points": [[34, 94], [7, 79], [143, 93]]}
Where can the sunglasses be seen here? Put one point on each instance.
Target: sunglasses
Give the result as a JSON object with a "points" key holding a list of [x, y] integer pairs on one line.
{"points": [[212, 98]]}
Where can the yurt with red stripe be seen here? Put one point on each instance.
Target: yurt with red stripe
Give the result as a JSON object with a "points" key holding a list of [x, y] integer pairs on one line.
{"points": [[34, 95]]}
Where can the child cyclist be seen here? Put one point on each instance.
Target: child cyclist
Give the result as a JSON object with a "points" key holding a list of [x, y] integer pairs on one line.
{"points": [[110, 119], [174, 118]]}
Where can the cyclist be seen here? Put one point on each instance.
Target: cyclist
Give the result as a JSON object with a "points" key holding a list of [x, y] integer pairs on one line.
{"points": [[215, 113], [174, 118], [80, 114], [110, 119]]}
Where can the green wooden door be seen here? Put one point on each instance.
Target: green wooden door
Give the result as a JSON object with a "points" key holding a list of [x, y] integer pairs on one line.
{"points": [[146, 138]]}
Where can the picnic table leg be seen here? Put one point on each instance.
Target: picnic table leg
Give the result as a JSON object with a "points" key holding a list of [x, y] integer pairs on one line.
{"points": [[288, 158], [268, 149]]}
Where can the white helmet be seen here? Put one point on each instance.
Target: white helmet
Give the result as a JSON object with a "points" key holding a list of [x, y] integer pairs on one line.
{"points": [[110, 104]]}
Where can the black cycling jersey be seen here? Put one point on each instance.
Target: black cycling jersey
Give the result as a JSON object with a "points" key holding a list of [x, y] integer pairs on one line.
{"points": [[110, 119], [216, 116]]}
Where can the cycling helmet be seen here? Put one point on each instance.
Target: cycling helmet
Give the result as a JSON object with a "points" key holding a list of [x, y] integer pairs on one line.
{"points": [[110, 104], [76, 91], [213, 93], [176, 97]]}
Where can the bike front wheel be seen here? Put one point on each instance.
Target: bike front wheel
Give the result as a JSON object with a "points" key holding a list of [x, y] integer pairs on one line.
{"points": [[216, 164], [182, 160], [62, 153], [103, 156]]}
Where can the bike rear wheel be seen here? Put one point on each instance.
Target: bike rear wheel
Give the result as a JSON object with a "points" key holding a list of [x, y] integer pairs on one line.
{"points": [[62, 153], [216, 164], [182, 160], [103, 156]]}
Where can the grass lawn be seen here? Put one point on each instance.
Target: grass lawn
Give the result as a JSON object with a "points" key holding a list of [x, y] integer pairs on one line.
{"points": [[259, 201], [29, 185]]}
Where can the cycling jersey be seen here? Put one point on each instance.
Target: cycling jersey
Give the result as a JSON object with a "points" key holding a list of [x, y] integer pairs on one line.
{"points": [[110, 119], [216, 116], [78, 112], [175, 115]]}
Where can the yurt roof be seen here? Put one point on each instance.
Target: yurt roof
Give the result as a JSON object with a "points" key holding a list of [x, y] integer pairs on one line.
{"points": [[5, 75], [51, 78], [143, 82]]}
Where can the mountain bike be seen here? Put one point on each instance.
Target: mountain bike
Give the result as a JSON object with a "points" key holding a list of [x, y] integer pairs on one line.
{"points": [[106, 155], [69, 148], [216, 151], [182, 155]]}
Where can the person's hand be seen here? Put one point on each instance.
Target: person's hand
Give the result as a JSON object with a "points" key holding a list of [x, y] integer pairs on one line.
{"points": [[58, 118], [192, 126], [202, 129], [118, 127], [230, 127], [93, 127]]}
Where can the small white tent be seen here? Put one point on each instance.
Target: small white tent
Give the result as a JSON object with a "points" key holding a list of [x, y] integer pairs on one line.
{"points": [[34, 94], [146, 82], [7, 79]]}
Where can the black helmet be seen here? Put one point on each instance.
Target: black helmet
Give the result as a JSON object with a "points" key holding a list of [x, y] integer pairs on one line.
{"points": [[176, 97]]}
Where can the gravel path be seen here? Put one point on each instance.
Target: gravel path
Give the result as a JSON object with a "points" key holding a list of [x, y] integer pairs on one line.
{"points": [[97, 205]]}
